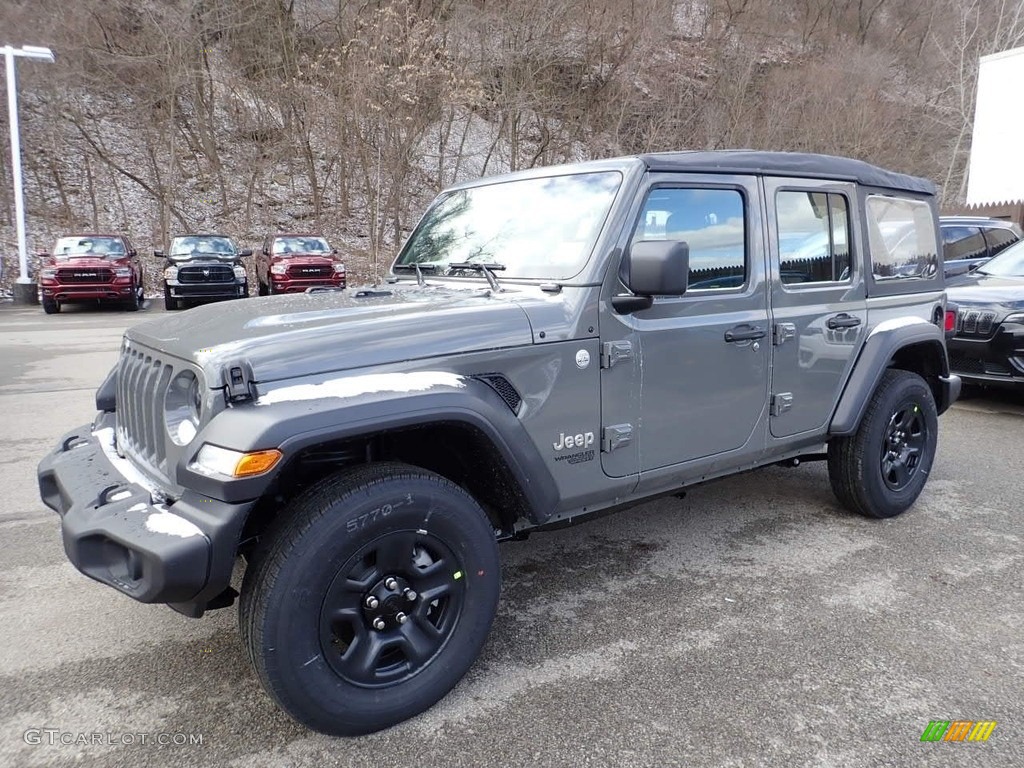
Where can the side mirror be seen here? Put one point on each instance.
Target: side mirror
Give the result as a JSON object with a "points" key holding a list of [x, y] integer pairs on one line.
{"points": [[43, 254], [245, 252], [133, 253], [334, 251], [653, 268], [158, 254], [973, 267]]}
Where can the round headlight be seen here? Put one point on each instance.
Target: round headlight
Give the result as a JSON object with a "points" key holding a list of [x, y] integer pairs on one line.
{"points": [[171, 273], [183, 405]]}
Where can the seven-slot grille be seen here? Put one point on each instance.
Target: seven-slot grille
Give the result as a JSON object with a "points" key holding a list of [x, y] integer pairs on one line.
{"points": [[974, 322], [142, 380], [85, 275], [309, 271], [213, 273]]}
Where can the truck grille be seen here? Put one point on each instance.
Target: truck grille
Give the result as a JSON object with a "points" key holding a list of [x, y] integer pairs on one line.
{"points": [[215, 273], [142, 378], [309, 271], [85, 275], [975, 323]]}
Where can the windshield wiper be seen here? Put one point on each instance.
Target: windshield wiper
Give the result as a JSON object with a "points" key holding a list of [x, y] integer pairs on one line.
{"points": [[487, 268], [420, 269]]}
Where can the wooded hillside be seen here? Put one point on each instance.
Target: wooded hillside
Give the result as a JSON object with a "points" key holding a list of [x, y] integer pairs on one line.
{"points": [[249, 116]]}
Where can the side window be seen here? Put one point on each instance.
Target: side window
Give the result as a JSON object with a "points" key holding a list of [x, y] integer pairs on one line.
{"points": [[710, 221], [901, 238], [814, 237], [962, 243], [999, 239]]}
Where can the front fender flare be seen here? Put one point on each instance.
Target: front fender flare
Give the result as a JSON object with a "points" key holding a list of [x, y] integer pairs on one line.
{"points": [[294, 426]]}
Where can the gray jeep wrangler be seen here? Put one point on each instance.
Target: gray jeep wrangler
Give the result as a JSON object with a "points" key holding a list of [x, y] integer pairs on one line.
{"points": [[550, 345]]}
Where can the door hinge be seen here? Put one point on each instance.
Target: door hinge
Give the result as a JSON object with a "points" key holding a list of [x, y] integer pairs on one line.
{"points": [[782, 332], [616, 436], [614, 351], [238, 382], [781, 403]]}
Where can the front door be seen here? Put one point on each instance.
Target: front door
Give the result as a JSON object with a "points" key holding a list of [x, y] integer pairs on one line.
{"points": [[818, 299], [695, 383]]}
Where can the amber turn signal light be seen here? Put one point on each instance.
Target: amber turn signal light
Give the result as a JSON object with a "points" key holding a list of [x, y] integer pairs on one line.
{"points": [[257, 462]]}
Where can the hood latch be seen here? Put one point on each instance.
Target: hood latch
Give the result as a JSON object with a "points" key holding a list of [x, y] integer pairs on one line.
{"points": [[238, 382]]}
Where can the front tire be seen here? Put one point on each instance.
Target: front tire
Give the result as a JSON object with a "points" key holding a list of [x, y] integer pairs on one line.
{"points": [[370, 597], [880, 470], [133, 304], [170, 303], [51, 306]]}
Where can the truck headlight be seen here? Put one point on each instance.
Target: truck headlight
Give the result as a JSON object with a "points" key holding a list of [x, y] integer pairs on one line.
{"points": [[339, 267], [122, 272], [279, 269], [183, 405], [240, 272], [171, 273], [1016, 317], [213, 461], [48, 272]]}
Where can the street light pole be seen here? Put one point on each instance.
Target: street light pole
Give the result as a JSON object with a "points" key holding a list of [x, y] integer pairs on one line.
{"points": [[24, 292]]}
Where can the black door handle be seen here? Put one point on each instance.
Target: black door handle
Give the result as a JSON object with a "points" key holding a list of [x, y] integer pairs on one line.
{"points": [[843, 320], [745, 333]]}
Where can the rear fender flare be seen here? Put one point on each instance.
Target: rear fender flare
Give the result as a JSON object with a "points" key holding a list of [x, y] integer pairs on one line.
{"points": [[883, 343]]}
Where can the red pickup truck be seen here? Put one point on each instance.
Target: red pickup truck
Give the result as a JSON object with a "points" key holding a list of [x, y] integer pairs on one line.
{"points": [[91, 268], [289, 263]]}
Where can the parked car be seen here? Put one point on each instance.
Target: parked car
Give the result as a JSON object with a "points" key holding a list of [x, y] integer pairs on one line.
{"points": [[91, 268], [292, 263], [970, 241], [539, 355], [987, 347], [200, 268]]}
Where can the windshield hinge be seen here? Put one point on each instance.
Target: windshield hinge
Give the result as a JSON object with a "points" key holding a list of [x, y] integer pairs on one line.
{"points": [[238, 382]]}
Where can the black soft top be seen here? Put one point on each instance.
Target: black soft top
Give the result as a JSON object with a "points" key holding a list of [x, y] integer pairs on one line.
{"points": [[799, 164]]}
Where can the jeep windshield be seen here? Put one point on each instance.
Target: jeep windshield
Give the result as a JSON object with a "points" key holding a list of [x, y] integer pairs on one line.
{"points": [[543, 228], [183, 248], [88, 247]]}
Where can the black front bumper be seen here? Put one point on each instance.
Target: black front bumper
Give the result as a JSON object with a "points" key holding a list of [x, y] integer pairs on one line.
{"points": [[203, 291], [114, 531], [997, 360]]}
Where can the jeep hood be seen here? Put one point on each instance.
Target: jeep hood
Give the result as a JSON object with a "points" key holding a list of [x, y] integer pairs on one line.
{"points": [[290, 336]]}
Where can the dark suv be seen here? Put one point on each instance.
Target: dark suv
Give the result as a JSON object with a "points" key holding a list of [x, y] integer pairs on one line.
{"points": [[293, 263], [90, 268], [203, 268], [970, 241]]}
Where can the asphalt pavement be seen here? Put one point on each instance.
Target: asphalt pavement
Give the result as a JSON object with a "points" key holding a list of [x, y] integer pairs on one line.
{"points": [[752, 623]]}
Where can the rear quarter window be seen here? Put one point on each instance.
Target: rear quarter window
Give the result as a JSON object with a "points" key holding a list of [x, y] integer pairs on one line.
{"points": [[901, 239]]}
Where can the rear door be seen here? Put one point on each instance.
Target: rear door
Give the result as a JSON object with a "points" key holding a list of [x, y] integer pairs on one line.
{"points": [[818, 297]]}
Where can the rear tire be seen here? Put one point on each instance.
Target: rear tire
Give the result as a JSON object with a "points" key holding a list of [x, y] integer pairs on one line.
{"points": [[51, 306], [880, 470], [370, 597], [261, 288]]}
